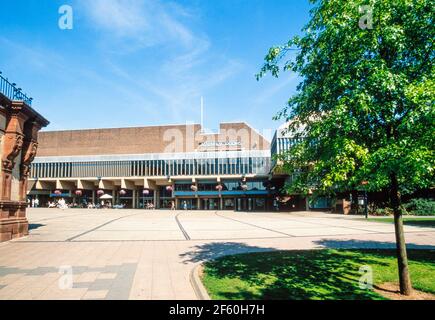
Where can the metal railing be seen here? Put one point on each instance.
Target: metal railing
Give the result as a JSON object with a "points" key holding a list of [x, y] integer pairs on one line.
{"points": [[12, 92]]}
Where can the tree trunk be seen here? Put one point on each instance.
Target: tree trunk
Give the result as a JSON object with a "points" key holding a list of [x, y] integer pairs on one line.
{"points": [[402, 258]]}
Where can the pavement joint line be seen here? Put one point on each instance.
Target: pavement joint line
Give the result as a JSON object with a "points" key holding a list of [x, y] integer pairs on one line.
{"points": [[185, 234], [253, 225], [100, 226], [60, 217], [214, 239], [321, 224]]}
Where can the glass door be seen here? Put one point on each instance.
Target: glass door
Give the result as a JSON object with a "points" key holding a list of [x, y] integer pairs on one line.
{"points": [[241, 204], [229, 204], [204, 204], [213, 204], [187, 204], [250, 204], [260, 204]]}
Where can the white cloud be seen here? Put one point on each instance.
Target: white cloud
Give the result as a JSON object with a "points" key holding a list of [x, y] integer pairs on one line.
{"points": [[148, 56], [145, 22], [185, 68], [274, 88]]}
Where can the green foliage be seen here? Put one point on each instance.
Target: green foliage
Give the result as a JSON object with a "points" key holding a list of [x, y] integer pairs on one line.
{"points": [[311, 275], [420, 207], [365, 108], [383, 212]]}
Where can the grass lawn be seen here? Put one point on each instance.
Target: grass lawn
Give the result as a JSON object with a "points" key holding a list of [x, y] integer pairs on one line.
{"points": [[314, 274], [419, 222]]}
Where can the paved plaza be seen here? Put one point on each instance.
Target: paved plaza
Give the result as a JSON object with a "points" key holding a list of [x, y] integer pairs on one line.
{"points": [[137, 254]]}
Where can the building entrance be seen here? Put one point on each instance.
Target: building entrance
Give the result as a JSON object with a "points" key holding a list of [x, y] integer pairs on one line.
{"points": [[210, 204], [229, 204], [250, 204], [187, 204]]}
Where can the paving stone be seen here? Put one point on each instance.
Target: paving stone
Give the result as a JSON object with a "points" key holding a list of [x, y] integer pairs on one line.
{"points": [[4, 271], [119, 293], [81, 285], [95, 295], [40, 271], [107, 276]]}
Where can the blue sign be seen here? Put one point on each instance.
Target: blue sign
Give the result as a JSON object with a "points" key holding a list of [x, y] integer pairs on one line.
{"points": [[62, 195]]}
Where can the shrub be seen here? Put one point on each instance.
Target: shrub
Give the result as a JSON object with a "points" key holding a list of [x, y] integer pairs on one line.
{"points": [[420, 207], [383, 212]]}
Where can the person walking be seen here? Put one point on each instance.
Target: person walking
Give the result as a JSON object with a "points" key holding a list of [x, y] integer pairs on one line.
{"points": [[62, 204]]}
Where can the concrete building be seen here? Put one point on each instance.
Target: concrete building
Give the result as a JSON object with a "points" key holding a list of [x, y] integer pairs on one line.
{"points": [[281, 145], [161, 165]]}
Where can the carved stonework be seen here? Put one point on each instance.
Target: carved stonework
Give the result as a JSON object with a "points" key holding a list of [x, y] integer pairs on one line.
{"points": [[20, 144], [29, 153], [12, 146], [30, 148]]}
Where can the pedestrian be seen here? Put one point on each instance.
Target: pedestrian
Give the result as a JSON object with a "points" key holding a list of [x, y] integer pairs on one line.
{"points": [[62, 204]]}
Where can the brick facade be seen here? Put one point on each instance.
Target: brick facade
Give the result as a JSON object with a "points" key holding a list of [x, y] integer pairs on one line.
{"points": [[152, 139]]}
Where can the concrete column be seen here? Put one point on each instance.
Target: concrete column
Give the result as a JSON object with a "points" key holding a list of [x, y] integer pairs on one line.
{"points": [[158, 199], [134, 199], [93, 197], [155, 199], [137, 198]]}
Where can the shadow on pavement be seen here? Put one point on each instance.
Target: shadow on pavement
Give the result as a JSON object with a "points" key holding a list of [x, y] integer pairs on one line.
{"points": [[214, 250], [365, 244], [34, 226]]}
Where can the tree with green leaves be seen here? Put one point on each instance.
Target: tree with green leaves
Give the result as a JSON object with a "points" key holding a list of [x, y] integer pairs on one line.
{"points": [[363, 115]]}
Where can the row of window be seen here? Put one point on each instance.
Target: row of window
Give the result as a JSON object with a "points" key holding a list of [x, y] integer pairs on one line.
{"points": [[149, 168], [281, 145], [258, 185]]}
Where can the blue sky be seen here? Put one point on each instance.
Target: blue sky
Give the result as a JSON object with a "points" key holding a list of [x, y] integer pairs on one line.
{"points": [[148, 62]]}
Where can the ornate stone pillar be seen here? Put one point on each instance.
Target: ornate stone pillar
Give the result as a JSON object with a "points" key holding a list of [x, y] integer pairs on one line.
{"points": [[30, 147], [19, 126], [12, 145]]}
